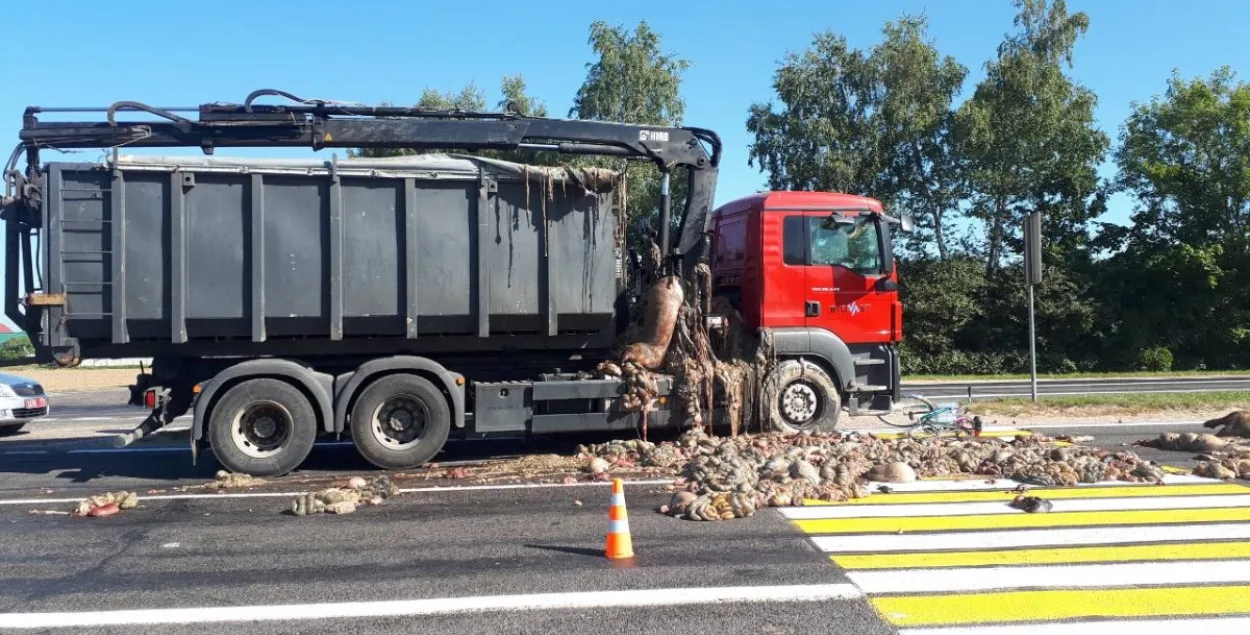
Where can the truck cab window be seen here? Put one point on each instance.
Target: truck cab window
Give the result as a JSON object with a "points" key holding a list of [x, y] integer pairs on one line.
{"points": [[854, 246], [794, 241]]}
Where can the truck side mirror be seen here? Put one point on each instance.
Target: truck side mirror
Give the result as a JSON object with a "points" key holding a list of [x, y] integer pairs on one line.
{"points": [[885, 284], [906, 224]]}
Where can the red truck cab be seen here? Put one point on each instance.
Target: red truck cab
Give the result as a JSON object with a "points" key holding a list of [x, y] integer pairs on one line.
{"points": [[817, 270]]}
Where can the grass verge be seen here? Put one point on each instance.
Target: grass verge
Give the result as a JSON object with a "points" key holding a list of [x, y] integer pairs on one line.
{"points": [[1128, 374], [1125, 404]]}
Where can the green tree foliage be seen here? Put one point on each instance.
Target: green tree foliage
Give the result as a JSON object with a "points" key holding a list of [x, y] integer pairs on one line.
{"points": [[892, 121], [1028, 143], [883, 122], [873, 121], [633, 80], [1184, 263], [512, 90], [1186, 159], [16, 348], [1029, 140]]}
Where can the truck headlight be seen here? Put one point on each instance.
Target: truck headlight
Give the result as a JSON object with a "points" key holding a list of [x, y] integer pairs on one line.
{"points": [[7, 391]]}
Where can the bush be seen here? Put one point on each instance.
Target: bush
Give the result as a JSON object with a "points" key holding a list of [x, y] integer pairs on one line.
{"points": [[1063, 366], [16, 348], [1157, 358], [956, 362]]}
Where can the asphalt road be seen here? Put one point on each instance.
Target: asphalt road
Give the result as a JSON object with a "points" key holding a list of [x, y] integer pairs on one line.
{"points": [[224, 554], [1057, 387], [221, 551]]}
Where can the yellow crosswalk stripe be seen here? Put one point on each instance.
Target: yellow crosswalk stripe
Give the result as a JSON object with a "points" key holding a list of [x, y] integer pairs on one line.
{"points": [[993, 434], [1013, 606], [1049, 555], [954, 560], [1055, 493], [1020, 521]]}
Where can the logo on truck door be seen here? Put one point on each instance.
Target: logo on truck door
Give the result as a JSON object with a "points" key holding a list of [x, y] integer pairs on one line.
{"points": [[851, 309], [660, 136]]}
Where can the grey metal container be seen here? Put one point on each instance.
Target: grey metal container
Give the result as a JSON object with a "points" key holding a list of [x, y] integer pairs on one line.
{"points": [[190, 256]]}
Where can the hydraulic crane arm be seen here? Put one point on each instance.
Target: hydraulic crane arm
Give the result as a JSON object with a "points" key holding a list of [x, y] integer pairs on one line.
{"points": [[321, 124]]}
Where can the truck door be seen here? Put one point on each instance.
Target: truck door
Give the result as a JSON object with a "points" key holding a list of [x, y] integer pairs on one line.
{"points": [[786, 290], [847, 256]]}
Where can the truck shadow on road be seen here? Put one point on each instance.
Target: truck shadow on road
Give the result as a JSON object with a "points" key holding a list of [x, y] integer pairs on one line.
{"points": [[94, 460], [576, 551]]}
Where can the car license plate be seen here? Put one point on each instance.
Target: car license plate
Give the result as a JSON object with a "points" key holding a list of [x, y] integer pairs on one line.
{"points": [[37, 402]]}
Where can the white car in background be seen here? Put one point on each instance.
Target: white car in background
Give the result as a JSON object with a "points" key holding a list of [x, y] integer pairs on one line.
{"points": [[22, 400]]}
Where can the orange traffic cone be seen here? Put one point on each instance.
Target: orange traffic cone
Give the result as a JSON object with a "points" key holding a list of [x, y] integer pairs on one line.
{"points": [[620, 545]]}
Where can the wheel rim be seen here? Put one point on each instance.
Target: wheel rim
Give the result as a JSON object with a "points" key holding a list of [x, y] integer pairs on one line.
{"points": [[800, 404], [262, 429], [907, 412], [399, 422]]}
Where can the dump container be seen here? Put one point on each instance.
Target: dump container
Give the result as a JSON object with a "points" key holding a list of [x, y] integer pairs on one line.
{"points": [[157, 255]]}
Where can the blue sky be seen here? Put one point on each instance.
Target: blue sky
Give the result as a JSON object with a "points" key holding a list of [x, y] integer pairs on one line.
{"points": [[174, 54]]}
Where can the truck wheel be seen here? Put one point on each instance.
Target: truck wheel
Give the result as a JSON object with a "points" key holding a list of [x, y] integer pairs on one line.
{"points": [[800, 397], [400, 421], [262, 427], [7, 430]]}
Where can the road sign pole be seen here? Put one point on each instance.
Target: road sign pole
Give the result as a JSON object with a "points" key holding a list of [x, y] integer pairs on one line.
{"points": [[1032, 276], [1032, 349]]}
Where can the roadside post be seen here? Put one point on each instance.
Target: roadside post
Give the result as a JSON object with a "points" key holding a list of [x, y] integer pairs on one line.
{"points": [[1032, 276]]}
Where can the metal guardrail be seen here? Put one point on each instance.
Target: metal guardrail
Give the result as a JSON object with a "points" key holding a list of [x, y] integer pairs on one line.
{"points": [[973, 390]]}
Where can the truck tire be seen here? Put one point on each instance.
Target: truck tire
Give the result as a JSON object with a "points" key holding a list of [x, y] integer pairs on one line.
{"points": [[262, 427], [799, 396], [8, 430], [400, 421]]}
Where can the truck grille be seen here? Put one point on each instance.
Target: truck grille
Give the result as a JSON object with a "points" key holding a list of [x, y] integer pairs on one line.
{"points": [[28, 390], [22, 413]]}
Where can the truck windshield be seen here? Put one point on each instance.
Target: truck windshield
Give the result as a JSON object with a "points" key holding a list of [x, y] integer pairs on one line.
{"points": [[852, 245]]}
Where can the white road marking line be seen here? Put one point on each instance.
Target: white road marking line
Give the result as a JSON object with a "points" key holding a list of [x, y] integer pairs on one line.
{"points": [[1001, 507], [955, 485], [439, 606], [142, 498], [1077, 393], [470, 488], [893, 430], [141, 449], [970, 579], [412, 490], [1107, 424], [978, 483], [968, 540], [1099, 627], [55, 419]]}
